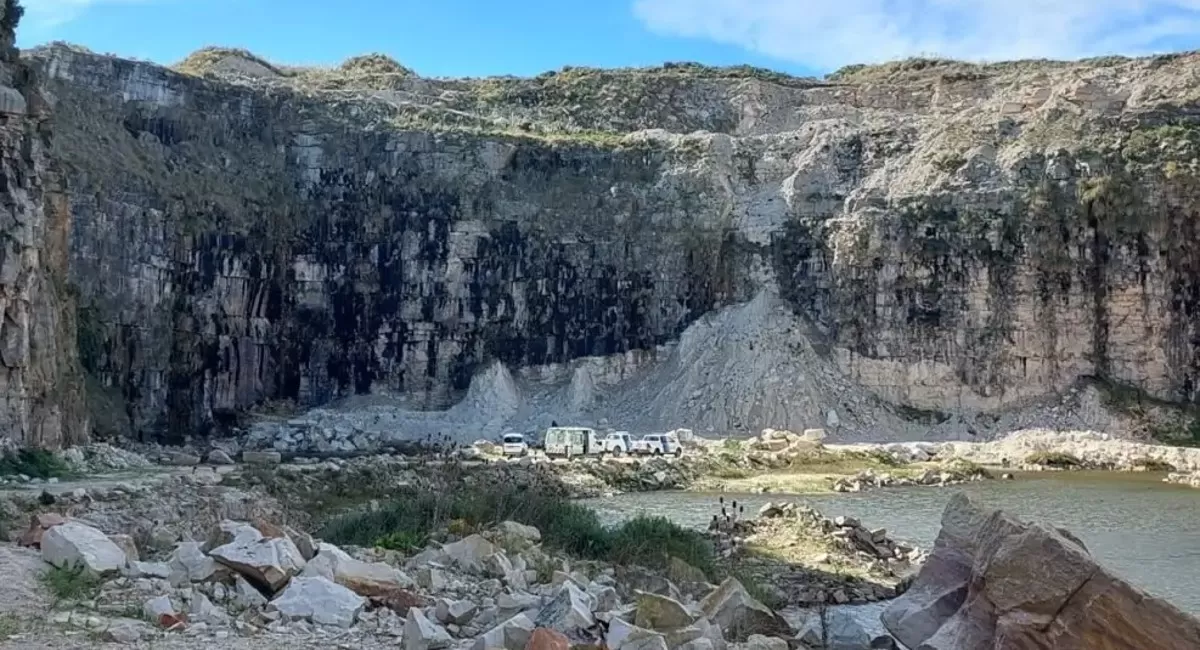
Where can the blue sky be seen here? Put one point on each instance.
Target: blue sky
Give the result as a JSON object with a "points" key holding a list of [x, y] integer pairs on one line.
{"points": [[523, 37]]}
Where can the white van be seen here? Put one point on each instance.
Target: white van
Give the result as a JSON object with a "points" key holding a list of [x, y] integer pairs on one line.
{"points": [[568, 442]]}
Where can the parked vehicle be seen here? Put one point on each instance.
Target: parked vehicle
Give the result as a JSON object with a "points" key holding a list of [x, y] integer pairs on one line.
{"points": [[513, 444], [618, 443], [566, 442], [657, 444]]}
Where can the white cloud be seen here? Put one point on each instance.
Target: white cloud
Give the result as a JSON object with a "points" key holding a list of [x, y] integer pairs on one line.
{"points": [[826, 34], [52, 13]]}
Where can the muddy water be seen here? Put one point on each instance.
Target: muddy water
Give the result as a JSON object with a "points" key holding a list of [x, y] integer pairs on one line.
{"points": [[1144, 530]]}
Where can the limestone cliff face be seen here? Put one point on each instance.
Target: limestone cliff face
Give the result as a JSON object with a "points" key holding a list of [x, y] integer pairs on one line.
{"points": [[960, 238], [41, 392]]}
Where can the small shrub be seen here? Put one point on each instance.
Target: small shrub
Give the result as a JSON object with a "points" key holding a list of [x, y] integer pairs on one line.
{"points": [[70, 583], [1053, 459], [36, 463], [732, 444]]}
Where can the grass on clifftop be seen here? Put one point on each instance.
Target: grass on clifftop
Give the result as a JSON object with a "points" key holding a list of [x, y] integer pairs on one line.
{"points": [[409, 518], [34, 463]]}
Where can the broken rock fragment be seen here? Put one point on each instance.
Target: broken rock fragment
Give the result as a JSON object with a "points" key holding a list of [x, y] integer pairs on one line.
{"points": [[420, 633], [38, 525]]}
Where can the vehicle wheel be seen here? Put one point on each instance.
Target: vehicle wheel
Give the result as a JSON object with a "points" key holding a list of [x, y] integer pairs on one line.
{"points": [[658, 452], [678, 452]]}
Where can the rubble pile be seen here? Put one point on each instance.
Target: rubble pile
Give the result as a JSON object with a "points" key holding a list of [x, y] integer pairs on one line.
{"points": [[952, 473], [496, 589], [811, 560]]}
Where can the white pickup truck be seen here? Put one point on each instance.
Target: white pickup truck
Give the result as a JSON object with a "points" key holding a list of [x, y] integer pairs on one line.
{"points": [[657, 444], [617, 443]]}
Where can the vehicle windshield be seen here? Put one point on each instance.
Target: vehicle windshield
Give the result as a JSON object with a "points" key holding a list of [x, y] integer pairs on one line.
{"points": [[514, 439]]}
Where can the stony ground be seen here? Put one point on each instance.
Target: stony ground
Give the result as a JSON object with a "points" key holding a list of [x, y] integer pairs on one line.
{"points": [[153, 512]]}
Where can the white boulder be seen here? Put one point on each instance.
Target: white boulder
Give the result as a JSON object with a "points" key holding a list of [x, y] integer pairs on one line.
{"points": [[76, 544], [319, 600]]}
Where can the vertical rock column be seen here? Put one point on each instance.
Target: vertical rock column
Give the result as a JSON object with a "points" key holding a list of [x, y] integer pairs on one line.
{"points": [[41, 382]]}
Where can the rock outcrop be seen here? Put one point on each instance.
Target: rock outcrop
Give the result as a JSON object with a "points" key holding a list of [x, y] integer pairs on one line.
{"points": [[41, 382], [949, 238], [995, 582]]}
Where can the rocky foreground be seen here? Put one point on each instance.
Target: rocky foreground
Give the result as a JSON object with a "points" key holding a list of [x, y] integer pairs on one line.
{"points": [[205, 556], [500, 588]]}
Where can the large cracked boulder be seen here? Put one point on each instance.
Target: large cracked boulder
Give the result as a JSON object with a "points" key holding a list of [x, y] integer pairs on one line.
{"points": [[73, 544], [319, 600], [732, 608], [995, 582], [267, 563]]}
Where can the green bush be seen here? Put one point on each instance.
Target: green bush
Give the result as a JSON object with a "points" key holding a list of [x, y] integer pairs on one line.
{"points": [[36, 463], [569, 527], [652, 541]]}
